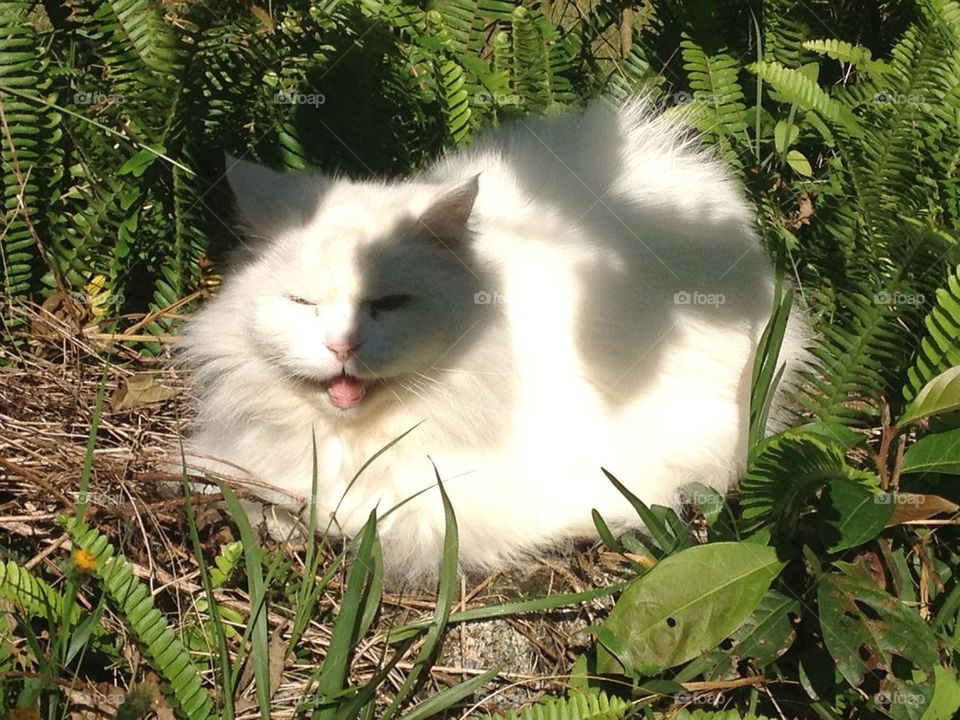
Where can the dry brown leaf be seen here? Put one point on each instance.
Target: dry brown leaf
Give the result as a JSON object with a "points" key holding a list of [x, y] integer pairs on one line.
{"points": [[138, 391], [803, 214], [277, 661], [914, 506], [58, 307]]}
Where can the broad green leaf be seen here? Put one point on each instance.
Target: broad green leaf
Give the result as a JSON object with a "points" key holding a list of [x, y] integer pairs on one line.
{"points": [[769, 631], [798, 161], [934, 453], [851, 514], [946, 696], [138, 163], [689, 602], [764, 636], [832, 432], [940, 395], [867, 631], [785, 134]]}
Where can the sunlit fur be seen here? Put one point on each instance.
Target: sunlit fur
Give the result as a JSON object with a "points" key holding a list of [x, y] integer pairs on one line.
{"points": [[585, 232]]}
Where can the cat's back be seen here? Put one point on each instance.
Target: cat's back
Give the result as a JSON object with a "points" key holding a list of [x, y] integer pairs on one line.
{"points": [[635, 289]]}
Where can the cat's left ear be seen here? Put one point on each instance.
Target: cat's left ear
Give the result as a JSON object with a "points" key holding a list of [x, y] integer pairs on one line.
{"points": [[446, 217]]}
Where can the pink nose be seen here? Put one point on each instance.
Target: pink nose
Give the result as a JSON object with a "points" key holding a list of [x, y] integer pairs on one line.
{"points": [[343, 350]]}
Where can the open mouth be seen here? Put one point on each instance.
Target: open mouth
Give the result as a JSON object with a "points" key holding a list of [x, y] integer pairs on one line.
{"points": [[346, 391]]}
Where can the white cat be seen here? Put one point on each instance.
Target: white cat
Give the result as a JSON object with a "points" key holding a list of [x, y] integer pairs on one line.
{"points": [[567, 293]]}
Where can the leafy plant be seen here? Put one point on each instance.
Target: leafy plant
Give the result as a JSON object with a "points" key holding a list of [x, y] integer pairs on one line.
{"points": [[132, 598]]}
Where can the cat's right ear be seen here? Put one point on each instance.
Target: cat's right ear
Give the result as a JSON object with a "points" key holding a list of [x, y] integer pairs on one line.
{"points": [[268, 201], [445, 219]]}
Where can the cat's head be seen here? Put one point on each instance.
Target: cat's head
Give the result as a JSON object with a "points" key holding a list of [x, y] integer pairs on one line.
{"points": [[357, 288]]}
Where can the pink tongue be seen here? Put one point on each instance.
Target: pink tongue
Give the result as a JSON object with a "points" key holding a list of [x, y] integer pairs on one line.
{"points": [[345, 391]]}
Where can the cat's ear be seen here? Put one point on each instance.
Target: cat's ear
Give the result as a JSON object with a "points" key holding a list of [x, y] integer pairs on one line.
{"points": [[268, 200], [445, 219]]}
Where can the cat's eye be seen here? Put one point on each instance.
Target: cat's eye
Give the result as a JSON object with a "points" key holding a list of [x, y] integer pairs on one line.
{"points": [[299, 300], [388, 302]]}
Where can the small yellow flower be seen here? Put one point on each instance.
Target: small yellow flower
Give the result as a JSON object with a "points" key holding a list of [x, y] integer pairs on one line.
{"points": [[84, 561]]}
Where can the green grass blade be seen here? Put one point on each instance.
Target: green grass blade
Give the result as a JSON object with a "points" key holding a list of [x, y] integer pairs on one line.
{"points": [[334, 668], [446, 699], [257, 589], [657, 529], [445, 596], [516, 607]]}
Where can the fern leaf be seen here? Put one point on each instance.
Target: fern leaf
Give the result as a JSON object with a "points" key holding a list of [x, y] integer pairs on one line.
{"points": [[717, 104], [783, 472], [135, 602], [28, 149], [803, 91], [466, 22], [225, 563], [456, 101], [856, 55], [140, 52], [592, 705], [536, 66], [940, 349], [31, 594]]}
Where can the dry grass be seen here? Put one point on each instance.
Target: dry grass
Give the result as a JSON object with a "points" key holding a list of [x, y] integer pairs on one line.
{"points": [[48, 389]]}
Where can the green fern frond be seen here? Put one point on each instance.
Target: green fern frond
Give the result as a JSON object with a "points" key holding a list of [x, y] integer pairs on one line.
{"points": [[806, 93], [29, 150], [851, 360], [536, 64], [856, 55], [225, 563], [456, 101], [466, 22], [140, 52], [783, 36], [783, 472], [135, 602], [592, 705], [633, 75], [717, 106], [30, 594], [685, 714], [940, 349]]}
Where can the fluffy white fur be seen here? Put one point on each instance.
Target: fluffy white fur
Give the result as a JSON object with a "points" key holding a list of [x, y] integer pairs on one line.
{"points": [[586, 234]]}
